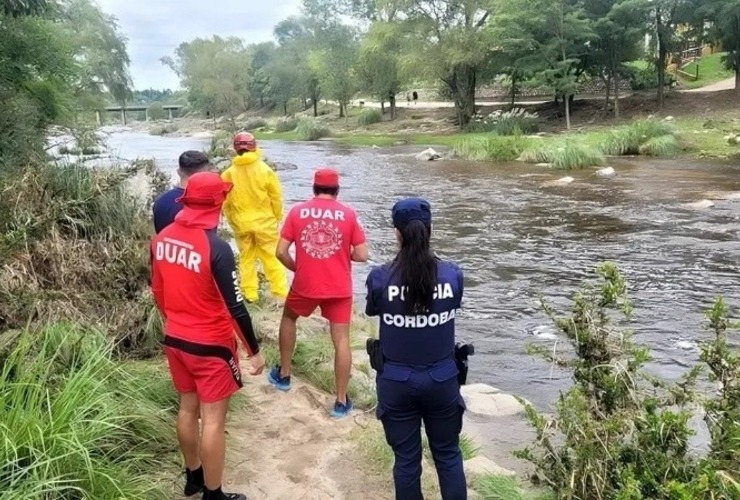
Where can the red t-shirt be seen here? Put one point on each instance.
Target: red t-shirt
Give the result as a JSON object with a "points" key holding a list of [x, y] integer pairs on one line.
{"points": [[324, 232]]}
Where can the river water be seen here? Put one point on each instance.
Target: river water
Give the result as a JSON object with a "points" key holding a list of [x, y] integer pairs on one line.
{"points": [[516, 237]]}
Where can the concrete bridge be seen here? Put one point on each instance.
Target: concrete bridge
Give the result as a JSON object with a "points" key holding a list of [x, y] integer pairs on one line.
{"points": [[120, 109]]}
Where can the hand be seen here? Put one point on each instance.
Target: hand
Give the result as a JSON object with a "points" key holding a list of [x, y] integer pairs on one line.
{"points": [[258, 364]]}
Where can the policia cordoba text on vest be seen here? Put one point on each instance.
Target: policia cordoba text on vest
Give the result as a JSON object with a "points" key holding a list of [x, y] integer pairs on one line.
{"points": [[416, 296]]}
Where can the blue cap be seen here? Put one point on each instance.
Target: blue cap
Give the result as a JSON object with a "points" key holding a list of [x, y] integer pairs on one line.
{"points": [[408, 209]]}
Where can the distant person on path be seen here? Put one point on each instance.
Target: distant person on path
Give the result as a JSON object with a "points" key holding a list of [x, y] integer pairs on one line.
{"points": [[416, 97], [166, 206], [194, 282], [328, 238], [408, 98], [254, 209], [416, 297]]}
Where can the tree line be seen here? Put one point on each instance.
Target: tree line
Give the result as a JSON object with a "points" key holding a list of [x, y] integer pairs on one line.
{"points": [[461, 45], [56, 59]]}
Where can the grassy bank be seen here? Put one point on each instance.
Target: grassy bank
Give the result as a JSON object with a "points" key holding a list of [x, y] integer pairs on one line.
{"points": [[81, 419], [78, 424], [699, 127]]}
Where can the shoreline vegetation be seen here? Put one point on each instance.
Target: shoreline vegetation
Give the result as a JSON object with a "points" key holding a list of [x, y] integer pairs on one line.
{"points": [[690, 127]]}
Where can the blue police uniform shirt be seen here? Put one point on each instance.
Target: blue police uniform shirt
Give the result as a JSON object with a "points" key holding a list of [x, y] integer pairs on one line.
{"points": [[421, 339], [166, 208]]}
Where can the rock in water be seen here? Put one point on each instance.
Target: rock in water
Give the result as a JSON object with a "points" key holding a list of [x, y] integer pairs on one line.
{"points": [[483, 466], [606, 172], [428, 155], [564, 181], [701, 204], [489, 401], [543, 165]]}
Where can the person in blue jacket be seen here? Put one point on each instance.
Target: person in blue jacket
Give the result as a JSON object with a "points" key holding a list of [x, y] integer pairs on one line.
{"points": [[166, 206], [416, 297]]}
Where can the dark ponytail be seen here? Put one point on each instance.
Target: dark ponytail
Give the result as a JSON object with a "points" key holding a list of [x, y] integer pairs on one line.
{"points": [[416, 266]]}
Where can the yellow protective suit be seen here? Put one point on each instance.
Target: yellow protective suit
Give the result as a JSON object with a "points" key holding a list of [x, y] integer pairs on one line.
{"points": [[254, 209]]}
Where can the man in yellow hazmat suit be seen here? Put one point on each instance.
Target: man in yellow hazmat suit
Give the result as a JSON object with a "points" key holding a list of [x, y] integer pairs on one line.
{"points": [[254, 209]]}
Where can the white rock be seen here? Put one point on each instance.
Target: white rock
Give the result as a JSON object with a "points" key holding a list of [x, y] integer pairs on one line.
{"points": [[543, 165], [428, 155], [564, 181], [700, 204], [482, 466], [668, 119], [606, 172], [486, 400]]}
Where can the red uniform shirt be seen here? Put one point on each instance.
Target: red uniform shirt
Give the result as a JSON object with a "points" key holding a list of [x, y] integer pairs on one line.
{"points": [[324, 232], [195, 284]]}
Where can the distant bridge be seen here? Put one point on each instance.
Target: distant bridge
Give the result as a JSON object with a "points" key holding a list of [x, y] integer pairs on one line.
{"points": [[120, 109]]}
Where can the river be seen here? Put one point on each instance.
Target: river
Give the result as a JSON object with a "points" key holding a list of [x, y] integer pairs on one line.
{"points": [[516, 238]]}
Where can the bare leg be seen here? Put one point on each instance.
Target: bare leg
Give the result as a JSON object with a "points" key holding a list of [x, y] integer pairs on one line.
{"points": [[188, 429], [342, 359], [287, 340], [213, 442]]}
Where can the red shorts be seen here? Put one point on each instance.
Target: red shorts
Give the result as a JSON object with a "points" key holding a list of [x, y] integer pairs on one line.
{"points": [[211, 371], [335, 310]]}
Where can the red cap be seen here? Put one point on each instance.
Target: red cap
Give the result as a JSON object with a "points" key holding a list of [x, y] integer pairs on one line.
{"points": [[326, 177], [205, 190]]}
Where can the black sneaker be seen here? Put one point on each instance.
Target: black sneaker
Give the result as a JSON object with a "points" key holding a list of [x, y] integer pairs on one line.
{"points": [[194, 482], [220, 495]]}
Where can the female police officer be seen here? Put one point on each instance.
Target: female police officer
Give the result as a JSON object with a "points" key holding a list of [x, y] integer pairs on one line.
{"points": [[416, 296]]}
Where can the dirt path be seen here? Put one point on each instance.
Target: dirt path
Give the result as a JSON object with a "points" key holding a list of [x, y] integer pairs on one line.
{"points": [[716, 87], [285, 446]]}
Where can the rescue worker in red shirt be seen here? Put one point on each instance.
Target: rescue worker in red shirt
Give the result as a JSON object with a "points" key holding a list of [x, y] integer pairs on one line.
{"points": [[328, 237], [196, 287]]}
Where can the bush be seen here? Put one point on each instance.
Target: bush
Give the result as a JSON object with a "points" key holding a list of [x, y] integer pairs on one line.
{"points": [[369, 117], [286, 124], [310, 129], [255, 124], [574, 156], [77, 425], [664, 146], [644, 78], [514, 122], [156, 111], [168, 128], [624, 434], [629, 139], [57, 225], [491, 147], [537, 155]]}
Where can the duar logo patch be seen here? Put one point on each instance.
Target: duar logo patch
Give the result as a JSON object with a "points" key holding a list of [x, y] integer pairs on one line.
{"points": [[321, 239]]}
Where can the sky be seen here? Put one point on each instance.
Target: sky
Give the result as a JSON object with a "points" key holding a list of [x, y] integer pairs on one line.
{"points": [[155, 28]]}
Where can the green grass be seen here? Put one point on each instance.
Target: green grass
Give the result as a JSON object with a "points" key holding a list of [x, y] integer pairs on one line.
{"points": [[492, 147], [311, 129], [576, 156], [369, 117], [76, 424], [286, 124], [711, 70], [629, 139], [494, 487]]}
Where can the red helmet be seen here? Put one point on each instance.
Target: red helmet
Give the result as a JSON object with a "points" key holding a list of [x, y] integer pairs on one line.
{"points": [[245, 141]]}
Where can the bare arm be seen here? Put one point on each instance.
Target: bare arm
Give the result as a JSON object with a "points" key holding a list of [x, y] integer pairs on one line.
{"points": [[360, 253], [283, 254]]}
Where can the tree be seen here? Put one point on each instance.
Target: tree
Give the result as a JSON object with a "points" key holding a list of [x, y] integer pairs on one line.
{"points": [[725, 15], [215, 72], [333, 61], [298, 36], [102, 51], [555, 35], [285, 77], [378, 67], [619, 26], [447, 41], [262, 55]]}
